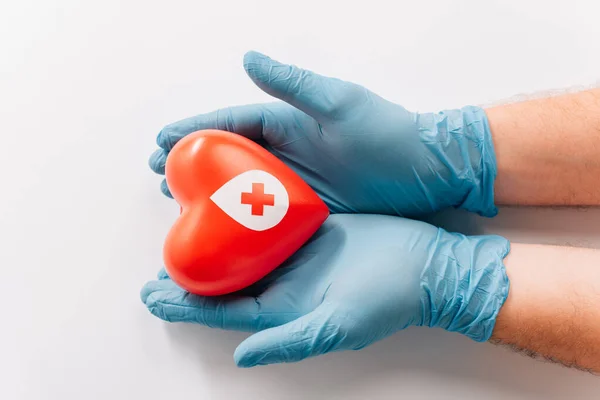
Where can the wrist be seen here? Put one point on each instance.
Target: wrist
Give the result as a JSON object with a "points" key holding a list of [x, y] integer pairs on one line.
{"points": [[480, 157], [461, 141], [547, 150], [464, 285]]}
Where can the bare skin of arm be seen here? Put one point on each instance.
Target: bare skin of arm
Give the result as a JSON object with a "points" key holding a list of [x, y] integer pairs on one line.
{"points": [[551, 312], [548, 150], [548, 153]]}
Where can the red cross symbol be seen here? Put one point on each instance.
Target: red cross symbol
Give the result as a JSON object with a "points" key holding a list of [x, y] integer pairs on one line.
{"points": [[258, 199]]}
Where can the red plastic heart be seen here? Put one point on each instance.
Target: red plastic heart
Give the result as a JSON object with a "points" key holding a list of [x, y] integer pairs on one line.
{"points": [[243, 212]]}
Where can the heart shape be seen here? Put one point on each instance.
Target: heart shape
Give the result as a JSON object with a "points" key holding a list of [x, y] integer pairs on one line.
{"points": [[243, 212]]}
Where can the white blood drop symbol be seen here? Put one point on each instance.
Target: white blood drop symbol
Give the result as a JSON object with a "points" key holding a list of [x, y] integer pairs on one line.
{"points": [[254, 199]]}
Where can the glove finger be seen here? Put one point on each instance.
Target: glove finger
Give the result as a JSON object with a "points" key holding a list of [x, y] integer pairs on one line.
{"points": [[307, 336], [162, 274], [165, 189], [316, 95], [158, 160], [167, 301], [244, 120]]}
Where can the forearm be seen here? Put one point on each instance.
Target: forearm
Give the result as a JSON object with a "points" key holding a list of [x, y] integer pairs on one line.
{"points": [[548, 150], [553, 306]]}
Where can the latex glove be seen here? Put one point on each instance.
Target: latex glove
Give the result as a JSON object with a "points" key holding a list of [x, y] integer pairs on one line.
{"points": [[359, 279], [359, 152]]}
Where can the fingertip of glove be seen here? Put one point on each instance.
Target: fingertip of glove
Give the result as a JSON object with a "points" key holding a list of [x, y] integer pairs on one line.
{"points": [[255, 57], [164, 188], [155, 307], [242, 357], [157, 161], [153, 302], [146, 291], [154, 290], [163, 139], [162, 274], [255, 63]]}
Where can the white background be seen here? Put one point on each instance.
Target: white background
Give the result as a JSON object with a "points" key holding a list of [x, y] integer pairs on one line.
{"points": [[86, 86]]}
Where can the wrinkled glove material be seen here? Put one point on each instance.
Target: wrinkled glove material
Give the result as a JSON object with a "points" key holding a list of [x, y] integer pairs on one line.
{"points": [[361, 278], [359, 152]]}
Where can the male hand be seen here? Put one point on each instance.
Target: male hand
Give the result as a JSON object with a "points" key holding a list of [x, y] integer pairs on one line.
{"points": [[359, 279], [358, 151]]}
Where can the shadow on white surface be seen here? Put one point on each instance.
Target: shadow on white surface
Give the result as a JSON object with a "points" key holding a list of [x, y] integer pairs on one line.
{"points": [[415, 355], [420, 360], [543, 225]]}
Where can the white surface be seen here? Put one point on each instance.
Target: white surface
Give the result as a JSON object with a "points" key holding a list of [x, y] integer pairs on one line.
{"points": [[86, 86]]}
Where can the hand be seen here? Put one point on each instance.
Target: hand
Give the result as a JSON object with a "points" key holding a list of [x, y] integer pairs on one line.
{"points": [[359, 279], [358, 151]]}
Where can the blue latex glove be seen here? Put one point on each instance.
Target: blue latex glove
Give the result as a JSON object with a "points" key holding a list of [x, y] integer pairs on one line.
{"points": [[359, 152], [359, 279]]}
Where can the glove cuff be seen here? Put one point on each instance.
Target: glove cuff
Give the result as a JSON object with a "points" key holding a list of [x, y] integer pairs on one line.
{"points": [[478, 151], [465, 285], [461, 141]]}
